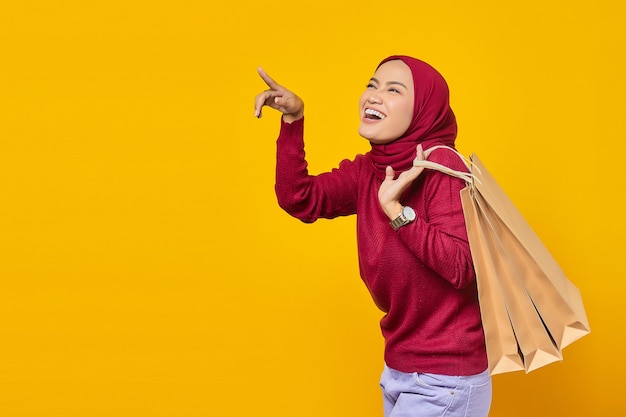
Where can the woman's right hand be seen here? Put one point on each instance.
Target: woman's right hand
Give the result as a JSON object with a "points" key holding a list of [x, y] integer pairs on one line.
{"points": [[279, 98]]}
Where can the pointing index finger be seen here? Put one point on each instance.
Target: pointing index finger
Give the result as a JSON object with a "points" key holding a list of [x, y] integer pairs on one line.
{"points": [[268, 80]]}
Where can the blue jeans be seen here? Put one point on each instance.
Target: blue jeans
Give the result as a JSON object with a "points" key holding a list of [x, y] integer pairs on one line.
{"points": [[429, 395]]}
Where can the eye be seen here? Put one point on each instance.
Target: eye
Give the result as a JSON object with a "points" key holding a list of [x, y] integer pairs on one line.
{"points": [[371, 85], [394, 90]]}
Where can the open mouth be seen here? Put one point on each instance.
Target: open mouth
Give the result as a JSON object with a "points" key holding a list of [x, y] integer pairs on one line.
{"points": [[372, 114]]}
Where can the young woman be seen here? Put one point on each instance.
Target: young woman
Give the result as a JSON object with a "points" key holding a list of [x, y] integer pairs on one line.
{"points": [[414, 256]]}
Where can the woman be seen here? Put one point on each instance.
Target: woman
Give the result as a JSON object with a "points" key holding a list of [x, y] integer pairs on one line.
{"points": [[414, 256]]}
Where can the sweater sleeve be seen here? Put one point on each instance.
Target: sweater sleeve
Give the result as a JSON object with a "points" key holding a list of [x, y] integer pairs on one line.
{"points": [[310, 197], [439, 238]]}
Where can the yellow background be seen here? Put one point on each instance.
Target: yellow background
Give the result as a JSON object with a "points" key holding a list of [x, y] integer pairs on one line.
{"points": [[145, 267]]}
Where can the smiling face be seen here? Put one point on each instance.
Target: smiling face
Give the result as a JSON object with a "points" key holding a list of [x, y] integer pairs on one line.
{"points": [[386, 106]]}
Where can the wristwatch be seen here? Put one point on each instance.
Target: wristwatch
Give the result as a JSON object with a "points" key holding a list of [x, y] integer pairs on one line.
{"points": [[405, 217]]}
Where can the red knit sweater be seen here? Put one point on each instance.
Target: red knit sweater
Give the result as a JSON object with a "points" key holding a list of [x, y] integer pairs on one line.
{"points": [[421, 276]]}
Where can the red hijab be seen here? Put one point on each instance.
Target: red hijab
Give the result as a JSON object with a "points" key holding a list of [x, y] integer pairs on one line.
{"points": [[433, 120]]}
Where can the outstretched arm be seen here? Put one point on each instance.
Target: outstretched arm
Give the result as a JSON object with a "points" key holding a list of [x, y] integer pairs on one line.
{"points": [[304, 196]]}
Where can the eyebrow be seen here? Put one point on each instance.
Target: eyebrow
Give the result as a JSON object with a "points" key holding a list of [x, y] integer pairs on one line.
{"points": [[389, 82]]}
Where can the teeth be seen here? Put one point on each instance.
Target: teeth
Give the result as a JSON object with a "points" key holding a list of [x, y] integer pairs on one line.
{"points": [[375, 113]]}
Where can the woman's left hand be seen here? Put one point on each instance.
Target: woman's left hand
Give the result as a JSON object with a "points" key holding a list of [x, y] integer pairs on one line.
{"points": [[391, 189]]}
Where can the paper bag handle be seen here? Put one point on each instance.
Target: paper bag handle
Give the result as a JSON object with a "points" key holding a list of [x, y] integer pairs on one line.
{"points": [[465, 176]]}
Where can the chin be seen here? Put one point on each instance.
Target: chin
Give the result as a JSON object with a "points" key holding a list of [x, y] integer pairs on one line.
{"points": [[376, 140], [371, 137], [375, 137]]}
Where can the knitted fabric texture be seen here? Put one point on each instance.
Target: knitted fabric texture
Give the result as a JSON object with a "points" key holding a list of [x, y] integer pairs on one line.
{"points": [[421, 277]]}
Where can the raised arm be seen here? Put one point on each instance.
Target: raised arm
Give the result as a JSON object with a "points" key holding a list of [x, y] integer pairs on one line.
{"points": [[304, 196]]}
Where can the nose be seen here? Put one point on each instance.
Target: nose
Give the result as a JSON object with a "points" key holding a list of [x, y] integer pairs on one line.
{"points": [[374, 98]]}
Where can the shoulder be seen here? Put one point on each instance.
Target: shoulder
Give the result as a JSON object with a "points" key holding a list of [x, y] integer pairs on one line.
{"points": [[358, 162], [354, 167], [448, 158]]}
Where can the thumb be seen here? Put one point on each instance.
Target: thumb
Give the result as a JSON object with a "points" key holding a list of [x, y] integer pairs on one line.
{"points": [[389, 174], [280, 101], [420, 153]]}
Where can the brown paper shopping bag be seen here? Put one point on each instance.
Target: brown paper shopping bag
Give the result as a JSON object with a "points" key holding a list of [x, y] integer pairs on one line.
{"points": [[535, 342], [530, 310], [555, 297], [502, 349]]}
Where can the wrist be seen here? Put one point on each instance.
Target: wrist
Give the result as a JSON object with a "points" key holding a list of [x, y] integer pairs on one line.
{"points": [[393, 210], [292, 117], [406, 216]]}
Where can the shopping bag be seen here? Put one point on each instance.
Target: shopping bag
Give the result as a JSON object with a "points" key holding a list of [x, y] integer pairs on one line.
{"points": [[530, 310], [502, 350], [535, 344], [549, 288]]}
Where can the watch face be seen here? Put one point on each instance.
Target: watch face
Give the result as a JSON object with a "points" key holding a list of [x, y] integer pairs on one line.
{"points": [[408, 213]]}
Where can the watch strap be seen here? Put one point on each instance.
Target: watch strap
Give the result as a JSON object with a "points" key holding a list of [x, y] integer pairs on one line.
{"points": [[399, 221]]}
